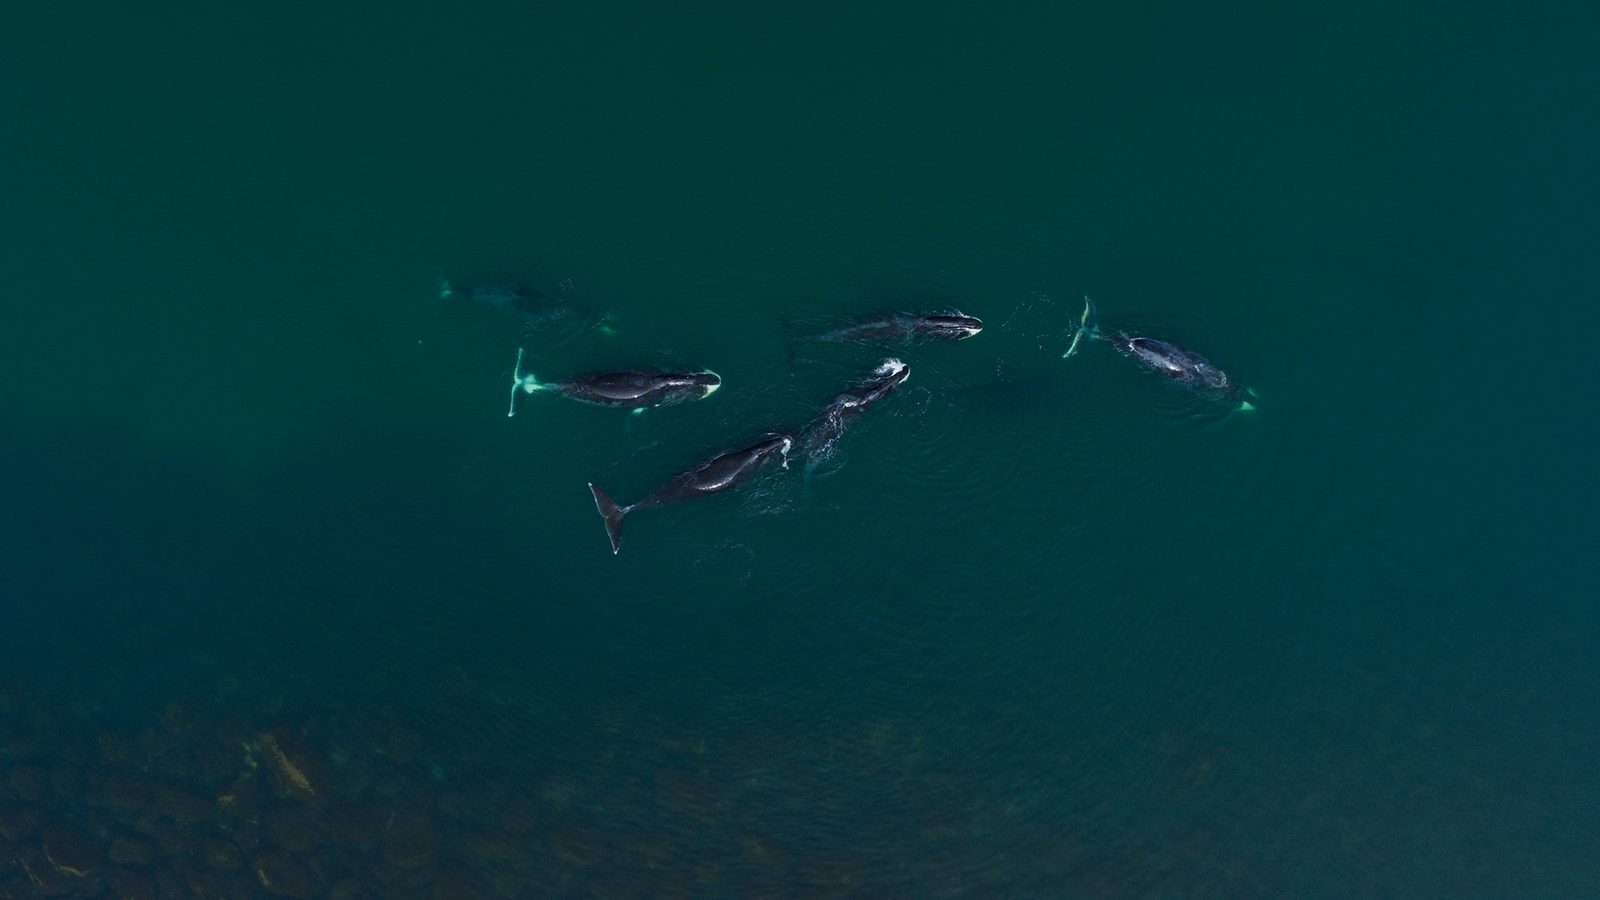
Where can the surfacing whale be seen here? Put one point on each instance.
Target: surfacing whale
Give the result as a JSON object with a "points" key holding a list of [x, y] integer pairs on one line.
{"points": [[819, 436], [710, 477], [1165, 358], [542, 311], [903, 328], [636, 389]]}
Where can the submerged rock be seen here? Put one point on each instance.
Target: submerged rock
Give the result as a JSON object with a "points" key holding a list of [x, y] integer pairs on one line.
{"points": [[133, 884], [412, 841], [690, 796], [66, 782], [31, 783], [17, 822], [130, 851], [456, 884], [179, 805], [119, 750], [71, 851], [128, 794], [294, 769], [350, 889], [357, 826], [577, 846], [173, 840], [242, 798], [221, 856], [294, 828], [283, 876], [495, 847], [519, 816], [217, 762], [48, 881]]}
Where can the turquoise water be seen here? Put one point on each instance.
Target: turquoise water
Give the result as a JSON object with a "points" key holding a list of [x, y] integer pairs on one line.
{"points": [[1044, 627]]}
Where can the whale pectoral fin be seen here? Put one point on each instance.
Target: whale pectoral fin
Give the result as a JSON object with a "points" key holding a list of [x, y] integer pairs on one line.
{"points": [[1077, 335]]}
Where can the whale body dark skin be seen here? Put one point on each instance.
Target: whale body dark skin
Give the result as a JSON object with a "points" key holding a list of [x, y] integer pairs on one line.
{"points": [[640, 388], [826, 428], [1173, 362], [517, 299], [713, 476], [1170, 361], [546, 314], [904, 328], [635, 389]]}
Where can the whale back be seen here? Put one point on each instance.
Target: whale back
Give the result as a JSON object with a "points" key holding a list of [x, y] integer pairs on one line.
{"points": [[640, 387], [720, 472], [1177, 363]]}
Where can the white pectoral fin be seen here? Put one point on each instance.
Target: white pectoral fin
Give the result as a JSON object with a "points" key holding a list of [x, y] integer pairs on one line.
{"points": [[1073, 347]]}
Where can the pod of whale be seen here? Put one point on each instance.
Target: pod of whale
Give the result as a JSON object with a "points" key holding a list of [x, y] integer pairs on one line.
{"points": [[635, 389], [713, 476], [641, 388]]}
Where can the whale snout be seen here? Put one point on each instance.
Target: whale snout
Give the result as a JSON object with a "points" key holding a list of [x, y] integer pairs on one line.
{"points": [[708, 381]]}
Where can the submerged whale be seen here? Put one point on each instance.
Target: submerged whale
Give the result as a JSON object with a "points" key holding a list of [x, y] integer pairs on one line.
{"points": [[904, 328], [1165, 358], [537, 307], [710, 477], [636, 389], [819, 436]]}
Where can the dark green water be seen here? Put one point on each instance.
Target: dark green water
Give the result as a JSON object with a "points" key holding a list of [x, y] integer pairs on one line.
{"points": [[1047, 628]]}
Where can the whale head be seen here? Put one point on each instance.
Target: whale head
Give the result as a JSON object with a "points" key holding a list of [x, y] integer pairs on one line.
{"points": [[951, 326], [889, 374], [708, 382], [889, 368]]}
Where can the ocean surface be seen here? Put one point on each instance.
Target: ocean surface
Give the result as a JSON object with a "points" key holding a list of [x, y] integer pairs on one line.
{"points": [[289, 606]]}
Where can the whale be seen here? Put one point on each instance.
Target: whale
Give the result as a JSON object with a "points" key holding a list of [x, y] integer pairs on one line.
{"points": [[818, 437], [1172, 362], [903, 328], [635, 389], [541, 310], [715, 475]]}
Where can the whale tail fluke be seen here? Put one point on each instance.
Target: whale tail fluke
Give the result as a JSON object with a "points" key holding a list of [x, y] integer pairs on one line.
{"points": [[612, 513], [1088, 327], [445, 290], [519, 382]]}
